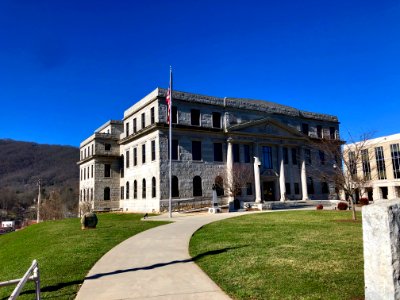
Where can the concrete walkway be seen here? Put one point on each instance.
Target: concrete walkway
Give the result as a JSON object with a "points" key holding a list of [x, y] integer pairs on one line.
{"points": [[154, 264]]}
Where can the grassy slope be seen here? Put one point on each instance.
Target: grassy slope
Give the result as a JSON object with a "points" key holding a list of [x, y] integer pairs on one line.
{"points": [[65, 252], [284, 255]]}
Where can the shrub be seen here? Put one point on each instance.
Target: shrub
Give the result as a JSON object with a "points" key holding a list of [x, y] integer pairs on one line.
{"points": [[364, 201], [342, 206], [320, 206]]}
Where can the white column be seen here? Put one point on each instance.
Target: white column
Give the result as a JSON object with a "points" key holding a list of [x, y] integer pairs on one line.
{"points": [[257, 185], [303, 176], [376, 193], [290, 172], [282, 186], [229, 170]]}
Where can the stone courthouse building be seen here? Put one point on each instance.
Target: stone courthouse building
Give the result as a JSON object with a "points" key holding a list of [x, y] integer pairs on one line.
{"points": [[254, 151]]}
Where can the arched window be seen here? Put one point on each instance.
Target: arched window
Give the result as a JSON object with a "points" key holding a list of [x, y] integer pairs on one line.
{"points": [[175, 187], [153, 187], [127, 190], [144, 189], [135, 189], [121, 166], [107, 193], [219, 185], [197, 189]]}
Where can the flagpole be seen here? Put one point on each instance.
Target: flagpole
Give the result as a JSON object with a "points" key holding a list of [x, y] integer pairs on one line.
{"points": [[170, 142]]}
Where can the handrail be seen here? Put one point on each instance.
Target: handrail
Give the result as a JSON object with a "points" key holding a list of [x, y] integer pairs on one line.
{"points": [[34, 269]]}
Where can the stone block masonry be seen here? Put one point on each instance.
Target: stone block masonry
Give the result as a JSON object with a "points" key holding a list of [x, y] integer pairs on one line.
{"points": [[381, 235]]}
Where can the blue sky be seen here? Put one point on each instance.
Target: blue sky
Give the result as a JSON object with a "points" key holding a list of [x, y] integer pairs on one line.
{"points": [[67, 67]]}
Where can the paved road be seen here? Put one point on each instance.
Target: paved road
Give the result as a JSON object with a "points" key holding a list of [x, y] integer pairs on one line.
{"points": [[154, 264]]}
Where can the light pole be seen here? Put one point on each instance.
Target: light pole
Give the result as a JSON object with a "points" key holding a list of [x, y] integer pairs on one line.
{"points": [[38, 201]]}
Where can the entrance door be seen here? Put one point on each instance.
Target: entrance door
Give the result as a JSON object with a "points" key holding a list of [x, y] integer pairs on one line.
{"points": [[269, 191]]}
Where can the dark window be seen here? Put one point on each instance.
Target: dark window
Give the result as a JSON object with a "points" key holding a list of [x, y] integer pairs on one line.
{"points": [[287, 186], [175, 187], [91, 195], [195, 117], [366, 164], [219, 185], [332, 133], [122, 193], [324, 188], [267, 157], [92, 149], [236, 152], [84, 173], [395, 152], [352, 163], [134, 126], [143, 120], [143, 153], [249, 189], [107, 147], [310, 185], [127, 128], [307, 156], [152, 120], [121, 166], [246, 151], [285, 155], [217, 151], [305, 129], [216, 118], [127, 159], [127, 190], [92, 171], [197, 189], [153, 187], [106, 193], [296, 188], [319, 131], [238, 190], [107, 170], [321, 157], [196, 150], [174, 114], [153, 150], [135, 189], [135, 156], [380, 162], [144, 188], [294, 156], [175, 146]]}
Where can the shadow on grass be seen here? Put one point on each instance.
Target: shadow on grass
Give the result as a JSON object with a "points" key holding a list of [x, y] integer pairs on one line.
{"points": [[51, 288], [193, 259]]}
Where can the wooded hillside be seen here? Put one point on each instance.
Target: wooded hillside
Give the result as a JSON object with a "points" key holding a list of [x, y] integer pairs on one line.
{"points": [[23, 163]]}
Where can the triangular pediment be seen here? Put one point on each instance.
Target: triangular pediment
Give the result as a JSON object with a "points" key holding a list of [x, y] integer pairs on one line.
{"points": [[266, 127]]}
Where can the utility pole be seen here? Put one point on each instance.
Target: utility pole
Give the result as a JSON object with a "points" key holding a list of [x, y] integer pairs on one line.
{"points": [[38, 200]]}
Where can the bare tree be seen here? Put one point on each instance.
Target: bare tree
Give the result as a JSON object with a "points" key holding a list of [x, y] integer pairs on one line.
{"points": [[350, 169], [241, 176]]}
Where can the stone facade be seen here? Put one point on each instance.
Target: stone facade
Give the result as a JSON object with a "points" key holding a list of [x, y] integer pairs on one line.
{"points": [[254, 145]]}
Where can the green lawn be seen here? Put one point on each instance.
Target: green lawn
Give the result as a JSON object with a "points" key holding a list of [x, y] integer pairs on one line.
{"points": [[65, 253], [284, 255]]}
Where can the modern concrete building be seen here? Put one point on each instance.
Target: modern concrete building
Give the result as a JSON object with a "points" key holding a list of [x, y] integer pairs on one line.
{"points": [[379, 164], [253, 151]]}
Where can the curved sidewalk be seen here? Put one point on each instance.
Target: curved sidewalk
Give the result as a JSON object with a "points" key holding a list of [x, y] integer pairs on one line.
{"points": [[154, 264]]}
